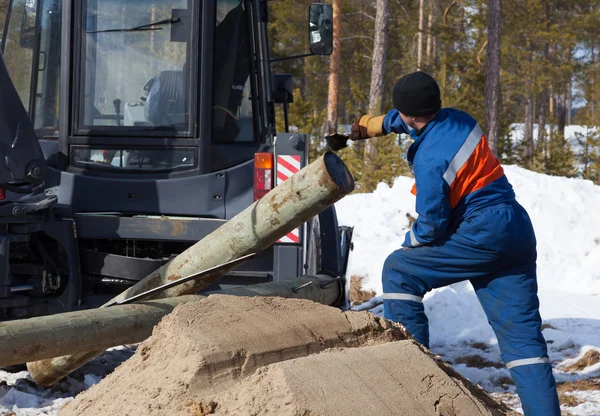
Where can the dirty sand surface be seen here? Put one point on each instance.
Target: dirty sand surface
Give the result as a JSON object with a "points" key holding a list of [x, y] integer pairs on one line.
{"points": [[231, 355]]}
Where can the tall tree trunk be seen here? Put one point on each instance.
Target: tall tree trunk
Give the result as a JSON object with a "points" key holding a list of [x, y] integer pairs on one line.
{"points": [[528, 133], [545, 95], [379, 57], [377, 74], [569, 103], [596, 83], [551, 99], [542, 121], [334, 69], [420, 34], [593, 102], [428, 60], [492, 89], [562, 114], [586, 159]]}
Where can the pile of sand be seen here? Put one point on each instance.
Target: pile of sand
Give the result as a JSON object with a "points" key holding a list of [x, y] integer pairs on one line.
{"points": [[231, 355]]}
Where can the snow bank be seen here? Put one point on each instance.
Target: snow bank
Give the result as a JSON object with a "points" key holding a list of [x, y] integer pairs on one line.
{"points": [[563, 211]]}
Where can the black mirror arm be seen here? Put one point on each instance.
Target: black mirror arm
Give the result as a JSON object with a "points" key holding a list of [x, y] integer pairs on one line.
{"points": [[285, 58]]}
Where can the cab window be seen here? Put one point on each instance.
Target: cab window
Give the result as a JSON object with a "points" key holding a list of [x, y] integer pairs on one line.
{"points": [[46, 106], [233, 103], [135, 72], [18, 46], [3, 10], [23, 41]]}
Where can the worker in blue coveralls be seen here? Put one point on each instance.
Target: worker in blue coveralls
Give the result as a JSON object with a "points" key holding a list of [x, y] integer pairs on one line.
{"points": [[470, 227]]}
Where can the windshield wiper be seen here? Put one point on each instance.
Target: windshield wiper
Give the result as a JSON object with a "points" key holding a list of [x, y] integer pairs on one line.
{"points": [[142, 27]]}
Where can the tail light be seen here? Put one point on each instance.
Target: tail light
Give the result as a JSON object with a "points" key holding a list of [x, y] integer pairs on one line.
{"points": [[263, 174], [2, 193]]}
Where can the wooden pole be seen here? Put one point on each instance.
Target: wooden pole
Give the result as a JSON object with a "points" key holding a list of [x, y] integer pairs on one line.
{"points": [[287, 206], [81, 331]]}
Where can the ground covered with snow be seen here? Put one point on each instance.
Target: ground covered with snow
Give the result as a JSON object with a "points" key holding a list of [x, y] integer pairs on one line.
{"points": [[564, 213], [565, 217], [19, 396]]}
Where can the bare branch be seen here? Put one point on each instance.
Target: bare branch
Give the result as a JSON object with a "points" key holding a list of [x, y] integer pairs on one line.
{"points": [[481, 51], [358, 37], [402, 7], [361, 12], [448, 10]]}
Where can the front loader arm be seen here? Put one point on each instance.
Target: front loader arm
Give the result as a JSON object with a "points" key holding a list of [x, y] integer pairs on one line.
{"points": [[22, 163]]}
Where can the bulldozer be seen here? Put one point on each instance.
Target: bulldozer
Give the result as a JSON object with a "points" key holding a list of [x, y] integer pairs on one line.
{"points": [[130, 130]]}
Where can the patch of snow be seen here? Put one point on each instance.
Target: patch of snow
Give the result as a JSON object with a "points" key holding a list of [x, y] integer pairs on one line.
{"points": [[567, 226], [18, 398], [20, 395], [590, 403]]}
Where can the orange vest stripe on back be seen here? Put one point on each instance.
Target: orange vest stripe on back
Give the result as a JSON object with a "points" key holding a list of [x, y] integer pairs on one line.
{"points": [[480, 169], [473, 167]]}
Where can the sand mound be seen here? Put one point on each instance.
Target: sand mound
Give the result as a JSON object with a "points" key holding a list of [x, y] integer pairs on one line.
{"points": [[231, 355], [381, 380]]}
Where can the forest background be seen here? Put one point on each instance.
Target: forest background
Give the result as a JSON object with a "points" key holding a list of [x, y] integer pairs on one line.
{"points": [[514, 65]]}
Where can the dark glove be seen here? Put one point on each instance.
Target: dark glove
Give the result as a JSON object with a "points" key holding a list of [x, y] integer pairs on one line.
{"points": [[358, 131], [336, 142]]}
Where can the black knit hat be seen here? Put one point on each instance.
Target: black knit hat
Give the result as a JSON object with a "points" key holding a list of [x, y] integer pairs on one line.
{"points": [[417, 94]]}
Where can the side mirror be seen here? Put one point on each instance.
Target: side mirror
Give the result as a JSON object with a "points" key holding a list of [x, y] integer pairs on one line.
{"points": [[320, 29]]}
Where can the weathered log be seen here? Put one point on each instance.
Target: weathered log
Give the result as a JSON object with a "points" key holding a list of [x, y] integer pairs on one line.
{"points": [[301, 197], [81, 331]]}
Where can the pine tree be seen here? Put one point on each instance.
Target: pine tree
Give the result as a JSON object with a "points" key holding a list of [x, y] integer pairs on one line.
{"points": [[561, 159], [492, 88], [334, 70], [546, 48], [372, 147]]}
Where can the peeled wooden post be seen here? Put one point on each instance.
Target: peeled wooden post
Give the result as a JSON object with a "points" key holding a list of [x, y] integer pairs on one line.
{"points": [[292, 203], [81, 331]]}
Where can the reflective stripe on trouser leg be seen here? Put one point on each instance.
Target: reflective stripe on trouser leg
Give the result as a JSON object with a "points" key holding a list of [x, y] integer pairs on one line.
{"points": [[528, 361], [402, 299], [404, 309], [402, 296], [510, 302]]}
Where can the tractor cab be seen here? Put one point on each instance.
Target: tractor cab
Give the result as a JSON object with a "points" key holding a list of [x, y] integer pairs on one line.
{"points": [[134, 129], [141, 87]]}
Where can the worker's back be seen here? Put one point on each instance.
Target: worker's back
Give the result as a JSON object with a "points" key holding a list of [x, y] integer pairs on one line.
{"points": [[454, 145]]}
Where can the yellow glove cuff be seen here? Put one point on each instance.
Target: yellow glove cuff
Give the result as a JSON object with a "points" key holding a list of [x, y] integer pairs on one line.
{"points": [[374, 125]]}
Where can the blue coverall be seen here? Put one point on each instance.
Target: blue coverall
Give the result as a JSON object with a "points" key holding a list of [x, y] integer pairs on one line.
{"points": [[470, 227]]}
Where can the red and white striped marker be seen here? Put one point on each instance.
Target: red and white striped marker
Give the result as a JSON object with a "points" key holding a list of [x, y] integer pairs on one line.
{"points": [[293, 237], [288, 165]]}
